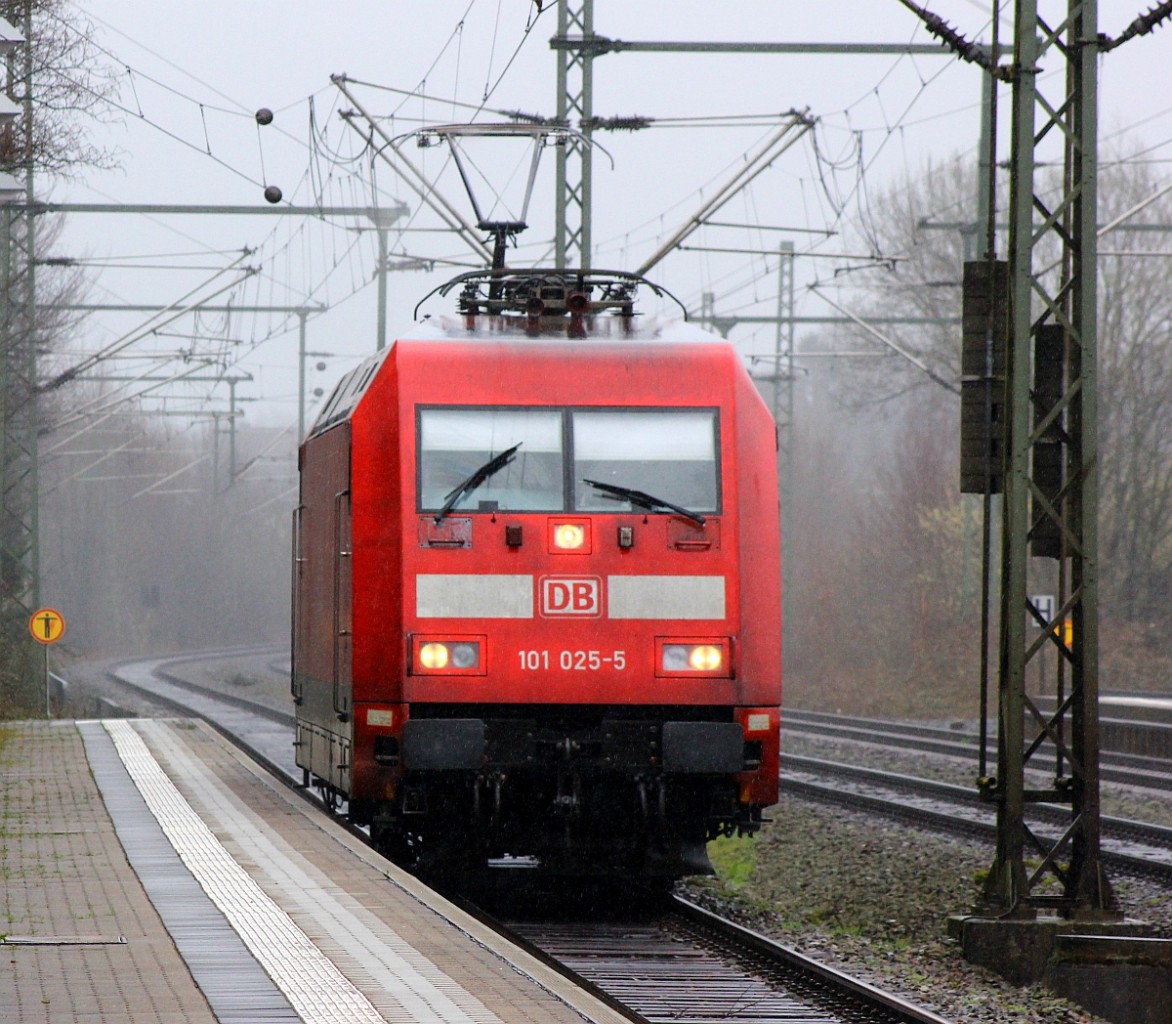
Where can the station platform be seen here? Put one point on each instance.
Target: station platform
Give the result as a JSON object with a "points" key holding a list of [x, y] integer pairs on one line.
{"points": [[151, 872]]}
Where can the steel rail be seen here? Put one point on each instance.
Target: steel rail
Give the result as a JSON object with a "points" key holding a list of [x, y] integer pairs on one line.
{"points": [[889, 790], [884, 1004], [683, 962], [1136, 847], [1120, 767]]}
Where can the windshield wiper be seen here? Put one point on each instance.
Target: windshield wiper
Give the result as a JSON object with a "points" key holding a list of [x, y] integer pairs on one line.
{"points": [[476, 478], [643, 500]]}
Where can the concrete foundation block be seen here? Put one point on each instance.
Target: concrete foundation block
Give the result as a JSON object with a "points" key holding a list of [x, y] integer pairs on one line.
{"points": [[1114, 969], [1126, 980]]}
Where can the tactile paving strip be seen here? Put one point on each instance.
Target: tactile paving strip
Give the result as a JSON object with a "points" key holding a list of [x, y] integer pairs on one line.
{"points": [[236, 986], [405, 983], [314, 986]]}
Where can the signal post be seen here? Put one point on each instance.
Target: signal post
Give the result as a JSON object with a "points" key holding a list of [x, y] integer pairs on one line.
{"points": [[1029, 434]]}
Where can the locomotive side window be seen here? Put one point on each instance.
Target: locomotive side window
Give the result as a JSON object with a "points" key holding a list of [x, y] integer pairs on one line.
{"points": [[458, 445], [670, 454]]}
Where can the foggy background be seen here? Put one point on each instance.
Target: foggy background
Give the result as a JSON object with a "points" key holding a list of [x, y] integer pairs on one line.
{"points": [[156, 537]]}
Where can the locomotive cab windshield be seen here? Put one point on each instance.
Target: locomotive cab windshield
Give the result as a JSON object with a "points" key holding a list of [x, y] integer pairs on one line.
{"points": [[569, 460]]}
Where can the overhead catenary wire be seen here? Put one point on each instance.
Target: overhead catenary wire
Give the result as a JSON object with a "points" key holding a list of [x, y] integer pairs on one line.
{"points": [[470, 8], [202, 106], [799, 122], [270, 277], [107, 409], [174, 311], [895, 347]]}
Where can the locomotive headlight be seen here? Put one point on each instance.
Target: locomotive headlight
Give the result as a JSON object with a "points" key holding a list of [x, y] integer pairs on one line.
{"points": [[448, 655], [434, 656], [705, 658], [696, 657], [465, 655], [569, 536]]}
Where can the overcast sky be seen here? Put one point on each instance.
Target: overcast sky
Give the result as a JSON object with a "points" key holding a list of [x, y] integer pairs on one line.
{"points": [[191, 77]]}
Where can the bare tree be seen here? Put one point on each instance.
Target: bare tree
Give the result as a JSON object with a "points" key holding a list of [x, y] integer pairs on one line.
{"points": [[59, 78], [920, 231], [920, 240], [1135, 420], [885, 581], [67, 78]]}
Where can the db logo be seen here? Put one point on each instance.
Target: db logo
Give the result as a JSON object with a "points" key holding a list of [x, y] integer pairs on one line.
{"points": [[571, 595]]}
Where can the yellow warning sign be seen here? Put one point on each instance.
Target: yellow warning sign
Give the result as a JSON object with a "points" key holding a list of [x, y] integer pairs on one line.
{"points": [[46, 625]]}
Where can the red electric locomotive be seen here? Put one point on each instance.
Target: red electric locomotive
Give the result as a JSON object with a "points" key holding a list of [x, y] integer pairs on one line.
{"points": [[536, 603]]}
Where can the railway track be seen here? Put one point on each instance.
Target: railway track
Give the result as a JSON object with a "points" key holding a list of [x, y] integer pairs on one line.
{"points": [[1122, 767], [687, 964], [1133, 846], [680, 963]]}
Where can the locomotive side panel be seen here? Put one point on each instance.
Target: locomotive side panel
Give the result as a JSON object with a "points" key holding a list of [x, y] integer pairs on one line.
{"points": [[321, 656], [760, 576], [379, 660]]}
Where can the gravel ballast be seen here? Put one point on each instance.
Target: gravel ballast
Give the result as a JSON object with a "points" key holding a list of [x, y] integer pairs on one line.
{"points": [[872, 897]]}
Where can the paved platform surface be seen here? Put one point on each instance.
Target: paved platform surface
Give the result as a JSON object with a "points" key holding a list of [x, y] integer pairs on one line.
{"points": [[151, 872]]}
